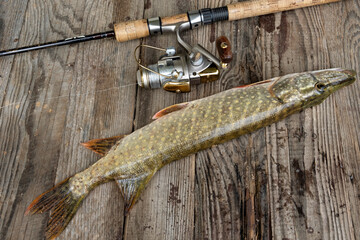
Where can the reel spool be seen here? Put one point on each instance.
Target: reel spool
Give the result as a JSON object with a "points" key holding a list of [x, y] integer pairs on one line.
{"points": [[176, 73]]}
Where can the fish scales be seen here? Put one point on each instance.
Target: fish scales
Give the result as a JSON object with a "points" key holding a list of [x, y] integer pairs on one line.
{"points": [[185, 129], [201, 124]]}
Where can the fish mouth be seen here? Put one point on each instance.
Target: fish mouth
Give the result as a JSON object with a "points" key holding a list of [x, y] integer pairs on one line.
{"points": [[349, 78], [350, 72]]}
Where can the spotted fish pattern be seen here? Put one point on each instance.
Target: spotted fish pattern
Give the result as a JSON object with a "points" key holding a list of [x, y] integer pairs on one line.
{"points": [[185, 129]]}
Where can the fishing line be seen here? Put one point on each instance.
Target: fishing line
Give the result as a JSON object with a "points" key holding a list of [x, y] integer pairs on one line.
{"points": [[101, 64], [35, 98]]}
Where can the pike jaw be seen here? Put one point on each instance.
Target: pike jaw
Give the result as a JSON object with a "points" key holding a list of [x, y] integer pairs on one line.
{"points": [[312, 88]]}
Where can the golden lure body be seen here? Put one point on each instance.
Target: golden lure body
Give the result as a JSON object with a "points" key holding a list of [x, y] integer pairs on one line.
{"points": [[184, 129]]}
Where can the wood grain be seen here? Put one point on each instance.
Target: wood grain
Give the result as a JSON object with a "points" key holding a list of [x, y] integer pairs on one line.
{"points": [[310, 189], [173, 199], [51, 101], [226, 175], [296, 179]]}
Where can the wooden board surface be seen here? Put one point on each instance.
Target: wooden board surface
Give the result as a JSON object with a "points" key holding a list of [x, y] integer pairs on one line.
{"points": [[296, 179]]}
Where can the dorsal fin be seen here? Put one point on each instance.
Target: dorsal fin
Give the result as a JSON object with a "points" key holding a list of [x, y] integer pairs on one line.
{"points": [[257, 83], [170, 109], [131, 188], [102, 145]]}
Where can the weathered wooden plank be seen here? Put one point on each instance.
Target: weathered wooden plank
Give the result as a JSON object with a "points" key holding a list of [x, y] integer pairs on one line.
{"points": [[339, 147], [308, 179], [54, 99], [296, 179], [9, 21], [166, 207], [143, 220], [280, 39], [16, 92], [227, 176], [103, 69]]}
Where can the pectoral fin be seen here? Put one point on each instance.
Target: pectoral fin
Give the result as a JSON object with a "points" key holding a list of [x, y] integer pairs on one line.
{"points": [[103, 145], [170, 109], [131, 188]]}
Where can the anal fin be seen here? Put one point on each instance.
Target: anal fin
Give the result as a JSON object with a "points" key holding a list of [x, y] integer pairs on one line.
{"points": [[103, 145], [131, 188]]}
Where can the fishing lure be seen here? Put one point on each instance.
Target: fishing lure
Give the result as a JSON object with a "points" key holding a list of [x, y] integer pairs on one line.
{"points": [[184, 129]]}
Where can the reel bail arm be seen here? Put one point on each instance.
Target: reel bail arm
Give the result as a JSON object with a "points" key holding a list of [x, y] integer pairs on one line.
{"points": [[176, 73]]}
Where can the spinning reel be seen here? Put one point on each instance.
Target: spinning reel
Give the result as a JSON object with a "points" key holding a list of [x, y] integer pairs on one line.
{"points": [[176, 73]]}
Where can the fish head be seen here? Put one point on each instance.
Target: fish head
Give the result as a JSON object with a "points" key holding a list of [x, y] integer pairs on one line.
{"points": [[312, 88], [327, 82]]}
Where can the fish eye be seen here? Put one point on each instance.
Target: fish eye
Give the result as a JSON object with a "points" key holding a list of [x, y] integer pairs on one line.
{"points": [[320, 86]]}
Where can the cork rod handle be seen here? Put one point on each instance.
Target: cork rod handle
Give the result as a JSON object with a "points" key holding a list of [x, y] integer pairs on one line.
{"points": [[254, 8], [130, 30]]}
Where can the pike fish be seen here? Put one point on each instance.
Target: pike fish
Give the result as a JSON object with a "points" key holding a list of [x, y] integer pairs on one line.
{"points": [[181, 130]]}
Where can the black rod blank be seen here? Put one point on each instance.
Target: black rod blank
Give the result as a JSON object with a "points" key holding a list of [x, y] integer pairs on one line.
{"points": [[59, 43]]}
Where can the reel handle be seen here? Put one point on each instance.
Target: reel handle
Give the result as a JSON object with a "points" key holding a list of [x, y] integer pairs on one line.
{"points": [[223, 47], [136, 29]]}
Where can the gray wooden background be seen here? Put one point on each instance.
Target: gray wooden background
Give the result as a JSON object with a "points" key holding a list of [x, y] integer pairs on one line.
{"points": [[296, 179]]}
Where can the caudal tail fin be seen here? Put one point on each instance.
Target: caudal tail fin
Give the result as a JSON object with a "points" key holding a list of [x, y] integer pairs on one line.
{"points": [[62, 204]]}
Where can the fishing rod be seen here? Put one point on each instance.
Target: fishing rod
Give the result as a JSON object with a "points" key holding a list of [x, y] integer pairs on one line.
{"points": [[176, 72]]}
